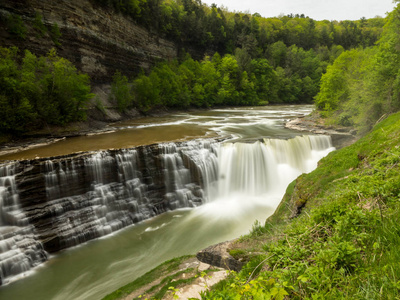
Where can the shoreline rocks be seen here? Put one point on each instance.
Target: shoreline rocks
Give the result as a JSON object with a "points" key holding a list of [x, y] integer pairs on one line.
{"points": [[341, 136]]}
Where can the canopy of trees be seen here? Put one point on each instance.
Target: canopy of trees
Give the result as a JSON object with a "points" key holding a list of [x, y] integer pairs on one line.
{"points": [[233, 80], [363, 84], [39, 91], [190, 22]]}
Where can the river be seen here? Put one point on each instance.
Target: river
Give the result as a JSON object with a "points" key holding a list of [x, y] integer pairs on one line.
{"points": [[96, 268], [242, 123]]}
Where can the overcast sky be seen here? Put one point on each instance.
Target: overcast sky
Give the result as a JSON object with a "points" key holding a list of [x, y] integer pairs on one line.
{"points": [[315, 9]]}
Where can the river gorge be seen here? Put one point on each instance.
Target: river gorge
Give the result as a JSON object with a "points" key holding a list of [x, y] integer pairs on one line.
{"points": [[86, 215]]}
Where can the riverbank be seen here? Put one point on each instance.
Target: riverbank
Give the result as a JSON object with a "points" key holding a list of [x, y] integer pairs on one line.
{"points": [[315, 124]]}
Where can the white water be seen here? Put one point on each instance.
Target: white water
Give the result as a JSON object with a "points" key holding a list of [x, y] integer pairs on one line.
{"points": [[19, 249], [257, 174]]}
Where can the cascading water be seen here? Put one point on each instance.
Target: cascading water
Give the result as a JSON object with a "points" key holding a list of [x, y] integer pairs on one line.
{"points": [[258, 173], [19, 249], [259, 168], [188, 172], [91, 195]]}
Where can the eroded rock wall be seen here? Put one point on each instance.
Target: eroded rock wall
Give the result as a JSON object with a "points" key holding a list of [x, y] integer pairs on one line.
{"points": [[96, 40]]}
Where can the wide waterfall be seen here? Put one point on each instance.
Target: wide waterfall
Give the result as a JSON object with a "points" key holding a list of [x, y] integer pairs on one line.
{"points": [[51, 204]]}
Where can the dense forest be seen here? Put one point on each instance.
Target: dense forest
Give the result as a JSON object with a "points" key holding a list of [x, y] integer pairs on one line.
{"points": [[363, 84], [39, 91], [250, 60], [253, 60]]}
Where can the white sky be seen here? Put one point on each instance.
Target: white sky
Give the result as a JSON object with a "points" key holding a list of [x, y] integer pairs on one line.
{"points": [[315, 9]]}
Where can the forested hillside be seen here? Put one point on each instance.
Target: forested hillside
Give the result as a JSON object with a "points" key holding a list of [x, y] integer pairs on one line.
{"points": [[257, 60], [191, 22], [238, 59], [363, 84]]}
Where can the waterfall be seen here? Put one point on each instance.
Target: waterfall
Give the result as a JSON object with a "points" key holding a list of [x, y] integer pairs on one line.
{"points": [[188, 169], [10, 211], [66, 201], [258, 168], [19, 249]]}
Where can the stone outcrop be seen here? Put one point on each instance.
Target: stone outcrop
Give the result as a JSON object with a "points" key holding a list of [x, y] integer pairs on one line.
{"points": [[96, 40], [218, 256], [341, 136]]}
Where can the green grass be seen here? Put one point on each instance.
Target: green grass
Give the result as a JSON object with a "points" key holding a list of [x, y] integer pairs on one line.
{"points": [[151, 276]]}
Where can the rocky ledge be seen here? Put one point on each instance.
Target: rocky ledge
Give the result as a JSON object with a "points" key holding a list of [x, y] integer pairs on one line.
{"points": [[218, 256], [341, 136]]}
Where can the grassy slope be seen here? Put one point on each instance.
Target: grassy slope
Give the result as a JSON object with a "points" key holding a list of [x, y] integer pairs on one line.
{"points": [[344, 242]]}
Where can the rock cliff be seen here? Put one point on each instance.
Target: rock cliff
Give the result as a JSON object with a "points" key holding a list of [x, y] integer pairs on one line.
{"points": [[96, 40]]}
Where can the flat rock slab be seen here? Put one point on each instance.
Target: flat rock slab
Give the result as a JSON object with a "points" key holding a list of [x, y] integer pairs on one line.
{"points": [[200, 284]]}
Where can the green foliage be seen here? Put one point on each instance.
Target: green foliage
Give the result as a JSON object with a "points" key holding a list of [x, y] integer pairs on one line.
{"points": [[146, 92], [121, 92], [223, 81], [362, 85], [16, 26], [55, 34], [216, 81], [39, 90], [38, 25]]}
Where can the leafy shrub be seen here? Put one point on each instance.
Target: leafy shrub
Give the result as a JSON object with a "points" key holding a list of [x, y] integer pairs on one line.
{"points": [[121, 93], [38, 25], [55, 34], [16, 26]]}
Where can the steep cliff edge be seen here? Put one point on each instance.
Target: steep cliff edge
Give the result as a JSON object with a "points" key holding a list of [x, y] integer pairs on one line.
{"points": [[96, 40]]}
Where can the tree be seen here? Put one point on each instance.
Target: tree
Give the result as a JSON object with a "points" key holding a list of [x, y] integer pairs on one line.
{"points": [[146, 92], [121, 93]]}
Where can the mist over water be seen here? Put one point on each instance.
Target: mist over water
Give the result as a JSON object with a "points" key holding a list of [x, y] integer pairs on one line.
{"points": [[246, 183]]}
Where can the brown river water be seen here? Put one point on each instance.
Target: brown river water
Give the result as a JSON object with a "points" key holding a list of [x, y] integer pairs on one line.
{"points": [[242, 123]]}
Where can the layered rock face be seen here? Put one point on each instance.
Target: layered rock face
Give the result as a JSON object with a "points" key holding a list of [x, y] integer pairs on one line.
{"points": [[52, 204], [96, 40]]}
